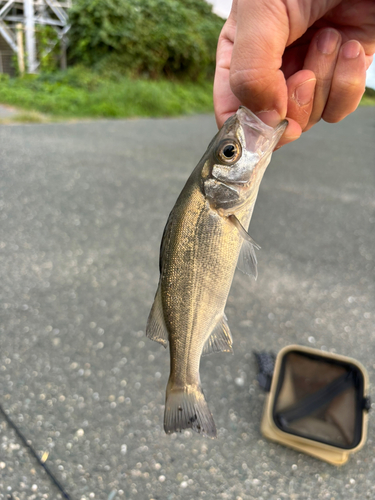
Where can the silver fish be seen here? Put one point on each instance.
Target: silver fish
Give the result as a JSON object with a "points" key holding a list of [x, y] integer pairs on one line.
{"points": [[204, 239]]}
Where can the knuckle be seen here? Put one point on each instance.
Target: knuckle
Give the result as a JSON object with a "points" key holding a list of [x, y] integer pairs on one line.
{"points": [[331, 117], [344, 99], [350, 82], [335, 114], [352, 86], [248, 82]]}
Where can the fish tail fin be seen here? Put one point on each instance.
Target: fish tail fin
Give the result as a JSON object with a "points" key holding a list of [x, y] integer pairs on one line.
{"points": [[187, 408]]}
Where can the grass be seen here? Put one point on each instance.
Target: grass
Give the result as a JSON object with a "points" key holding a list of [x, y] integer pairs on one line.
{"points": [[25, 117], [79, 93]]}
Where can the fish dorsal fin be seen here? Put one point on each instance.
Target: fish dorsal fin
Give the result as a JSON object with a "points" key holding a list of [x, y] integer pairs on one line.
{"points": [[247, 261], [156, 329], [220, 339]]}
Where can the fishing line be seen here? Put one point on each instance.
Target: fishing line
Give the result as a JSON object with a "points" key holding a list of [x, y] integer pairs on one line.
{"points": [[41, 461]]}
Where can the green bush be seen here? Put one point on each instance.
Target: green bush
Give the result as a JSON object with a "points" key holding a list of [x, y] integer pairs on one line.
{"points": [[149, 38], [369, 92], [48, 46]]}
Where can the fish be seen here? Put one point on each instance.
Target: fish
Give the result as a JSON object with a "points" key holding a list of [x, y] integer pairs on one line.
{"points": [[205, 238]]}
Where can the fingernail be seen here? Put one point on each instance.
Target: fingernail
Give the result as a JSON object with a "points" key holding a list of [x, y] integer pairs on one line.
{"points": [[304, 93], [270, 118], [327, 41], [351, 49]]}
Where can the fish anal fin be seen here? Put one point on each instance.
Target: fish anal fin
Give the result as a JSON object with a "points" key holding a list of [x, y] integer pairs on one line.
{"points": [[156, 329], [247, 260], [220, 339], [187, 408]]}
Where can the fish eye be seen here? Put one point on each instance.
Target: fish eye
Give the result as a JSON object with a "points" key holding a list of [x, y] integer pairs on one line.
{"points": [[229, 152]]}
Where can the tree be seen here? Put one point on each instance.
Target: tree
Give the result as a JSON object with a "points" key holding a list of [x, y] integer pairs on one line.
{"points": [[154, 38]]}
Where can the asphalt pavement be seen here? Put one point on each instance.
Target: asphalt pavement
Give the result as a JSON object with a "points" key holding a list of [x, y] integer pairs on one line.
{"points": [[82, 211]]}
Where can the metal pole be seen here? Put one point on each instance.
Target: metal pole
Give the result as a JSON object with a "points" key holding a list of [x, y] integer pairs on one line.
{"points": [[28, 7], [20, 54]]}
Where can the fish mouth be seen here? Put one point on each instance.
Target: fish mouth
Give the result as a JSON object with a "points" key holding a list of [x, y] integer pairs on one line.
{"points": [[258, 136], [247, 117]]}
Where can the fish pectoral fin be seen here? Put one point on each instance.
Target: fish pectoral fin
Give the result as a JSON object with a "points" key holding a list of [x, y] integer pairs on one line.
{"points": [[220, 339], [245, 235], [156, 329], [247, 260]]}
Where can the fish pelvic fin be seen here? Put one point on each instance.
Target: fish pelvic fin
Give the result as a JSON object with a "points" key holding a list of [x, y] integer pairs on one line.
{"points": [[220, 339], [247, 261], [187, 408], [156, 329]]}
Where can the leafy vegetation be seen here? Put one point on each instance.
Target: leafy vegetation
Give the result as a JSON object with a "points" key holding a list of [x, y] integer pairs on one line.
{"points": [[147, 38], [79, 92], [368, 98], [48, 45]]}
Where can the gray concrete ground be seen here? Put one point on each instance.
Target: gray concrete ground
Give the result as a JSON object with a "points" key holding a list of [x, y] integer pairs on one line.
{"points": [[82, 212]]}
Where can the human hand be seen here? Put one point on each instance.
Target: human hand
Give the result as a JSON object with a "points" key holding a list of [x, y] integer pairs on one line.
{"points": [[300, 59]]}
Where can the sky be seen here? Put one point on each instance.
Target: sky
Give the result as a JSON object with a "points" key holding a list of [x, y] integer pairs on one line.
{"points": [[222, 8], [370, 79]]}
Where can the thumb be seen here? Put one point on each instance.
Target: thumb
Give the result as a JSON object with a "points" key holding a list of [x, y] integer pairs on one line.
{"points": [[255, 76]]}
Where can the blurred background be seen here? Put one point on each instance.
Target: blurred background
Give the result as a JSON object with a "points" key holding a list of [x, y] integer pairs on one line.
{"points": [[98, 58]]}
